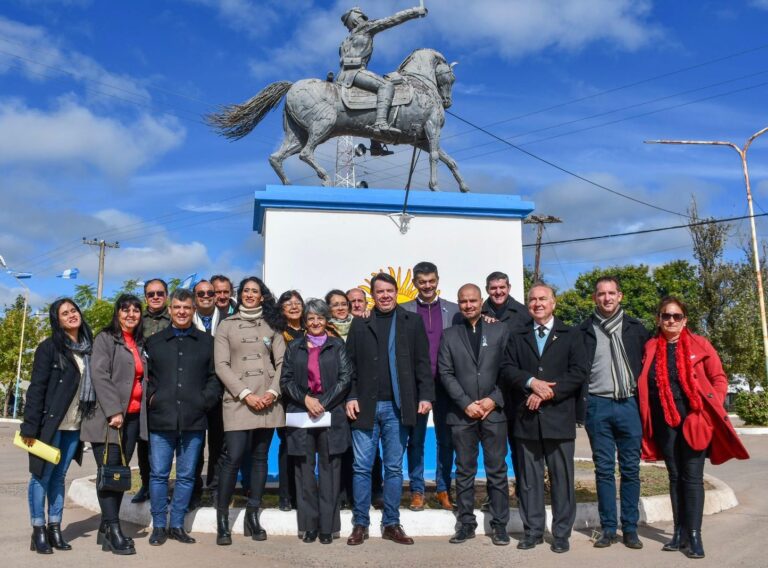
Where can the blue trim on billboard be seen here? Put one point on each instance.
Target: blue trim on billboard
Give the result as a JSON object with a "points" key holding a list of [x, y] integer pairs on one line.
{"points": [[314, 198]]}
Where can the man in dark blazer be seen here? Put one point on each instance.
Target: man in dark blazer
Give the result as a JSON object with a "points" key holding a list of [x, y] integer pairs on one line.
{"points": [[500, 304], [469, 361], [614, 345], [544, 368], [438, 314], [391, 386], [181, 387]]}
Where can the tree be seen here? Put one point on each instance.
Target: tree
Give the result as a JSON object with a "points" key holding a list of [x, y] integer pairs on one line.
{"points": [[85, 295], [10, 335], [708, 244]]}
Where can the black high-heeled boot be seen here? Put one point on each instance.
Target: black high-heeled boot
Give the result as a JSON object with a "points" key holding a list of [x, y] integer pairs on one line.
{"points": [[695, 546], [252, 526], [223, 534], [115, 541], [40, 541], [679, 540], [102, 530], [55, 537]]}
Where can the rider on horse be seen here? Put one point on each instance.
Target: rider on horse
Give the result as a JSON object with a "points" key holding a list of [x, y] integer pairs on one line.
{"points": [[355, 53]]}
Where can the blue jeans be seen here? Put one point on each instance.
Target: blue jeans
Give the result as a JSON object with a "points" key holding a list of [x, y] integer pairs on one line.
{"points": [[614, 425], [415, 451], [164, 444], [50, 485], [365, 443]]}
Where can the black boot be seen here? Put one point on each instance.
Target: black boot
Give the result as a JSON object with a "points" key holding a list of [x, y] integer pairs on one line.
{"points": [[55, 537], [223, 535], [40, 541], [102, 530], [115, 541], [679, 540], [252, 525], [695, 546]]}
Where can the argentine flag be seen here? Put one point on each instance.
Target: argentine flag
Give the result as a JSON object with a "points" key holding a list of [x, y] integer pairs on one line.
{"points": [[189, 282], [69, 274]]}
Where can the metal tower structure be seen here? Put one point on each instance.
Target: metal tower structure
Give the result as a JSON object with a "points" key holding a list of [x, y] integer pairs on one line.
{"points": [[345, 162]]}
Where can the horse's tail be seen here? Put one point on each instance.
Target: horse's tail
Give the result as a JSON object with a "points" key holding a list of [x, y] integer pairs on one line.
{"points": [[235, 121]]}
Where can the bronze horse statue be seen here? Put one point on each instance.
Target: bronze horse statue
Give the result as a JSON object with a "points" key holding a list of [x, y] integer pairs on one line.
{"points": [[317, 110]]}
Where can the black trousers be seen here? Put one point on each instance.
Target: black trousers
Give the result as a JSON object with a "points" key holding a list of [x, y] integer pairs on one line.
{"points": [[467, 439], [286, 479], [110, 501], [317, 498], [239, 442], [142, 452], [347, 459], [558, 456], [215, 443], [685, 468]]}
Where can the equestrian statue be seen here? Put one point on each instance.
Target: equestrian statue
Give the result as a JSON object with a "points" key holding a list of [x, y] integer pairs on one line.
{"points": [[403, 107]]}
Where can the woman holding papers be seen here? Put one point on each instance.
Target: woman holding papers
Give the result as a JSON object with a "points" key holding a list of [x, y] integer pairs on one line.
{"points": [[315, 380], [59, 396], [119, 376], [248, 351]]}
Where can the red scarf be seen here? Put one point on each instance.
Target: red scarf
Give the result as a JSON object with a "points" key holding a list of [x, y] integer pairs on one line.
{"points": [[684, 374]]}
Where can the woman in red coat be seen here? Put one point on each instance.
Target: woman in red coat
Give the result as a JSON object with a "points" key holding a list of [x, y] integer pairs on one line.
{"points": [[682, 393]]}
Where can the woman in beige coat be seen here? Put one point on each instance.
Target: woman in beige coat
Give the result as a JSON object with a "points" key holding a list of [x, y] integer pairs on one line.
{"points": [[248, 351]]}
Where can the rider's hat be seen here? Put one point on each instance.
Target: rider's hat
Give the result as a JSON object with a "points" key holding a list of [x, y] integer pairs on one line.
{"points": [[355, 10]]}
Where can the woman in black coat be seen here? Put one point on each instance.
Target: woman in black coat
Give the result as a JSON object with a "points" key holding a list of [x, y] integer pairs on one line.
{"points": [[59, 396], [315, 379]]}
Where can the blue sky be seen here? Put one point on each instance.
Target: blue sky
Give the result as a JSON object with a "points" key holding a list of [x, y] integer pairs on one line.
{"points": [[101, 132]]}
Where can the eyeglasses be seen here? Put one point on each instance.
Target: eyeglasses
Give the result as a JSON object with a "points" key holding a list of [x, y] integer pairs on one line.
{"points": [[204, 293], [667, 316], [340, 305], [293, 304], [160, 294]]}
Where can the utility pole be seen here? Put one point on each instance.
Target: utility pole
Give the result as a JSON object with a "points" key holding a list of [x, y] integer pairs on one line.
{"points": [[742, 152], [103, 245], [539, 221]]}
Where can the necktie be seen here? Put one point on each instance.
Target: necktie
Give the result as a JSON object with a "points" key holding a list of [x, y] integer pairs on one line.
{"points": [[542, 330]]}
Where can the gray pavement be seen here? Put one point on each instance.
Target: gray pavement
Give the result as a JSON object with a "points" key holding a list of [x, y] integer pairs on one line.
{"points": [[732, 538]]}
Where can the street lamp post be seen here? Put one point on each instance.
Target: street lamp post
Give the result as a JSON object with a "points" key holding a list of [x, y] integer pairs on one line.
{"points": [[742, 152], [21, 341]]}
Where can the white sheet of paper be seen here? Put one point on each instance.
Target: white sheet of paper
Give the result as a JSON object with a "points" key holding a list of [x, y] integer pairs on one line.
{"points": [[304, 420]]}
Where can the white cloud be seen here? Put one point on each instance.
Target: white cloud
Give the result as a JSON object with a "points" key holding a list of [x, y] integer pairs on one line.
{"points": [[41, 57], [509, 28], [251, 18], [73, 135]]}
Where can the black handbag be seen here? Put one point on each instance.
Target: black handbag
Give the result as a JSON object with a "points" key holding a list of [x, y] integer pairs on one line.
{"points": [[113, 477]]}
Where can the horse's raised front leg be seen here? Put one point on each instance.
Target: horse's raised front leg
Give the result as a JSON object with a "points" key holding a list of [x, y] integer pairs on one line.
{"points": [[453, 166]]}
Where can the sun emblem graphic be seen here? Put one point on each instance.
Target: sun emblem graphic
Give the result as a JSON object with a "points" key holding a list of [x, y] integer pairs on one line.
{"points": [[406, 291]]}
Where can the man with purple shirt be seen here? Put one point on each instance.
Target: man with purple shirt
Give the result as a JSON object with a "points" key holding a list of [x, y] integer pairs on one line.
{"points": [[438, 314]]}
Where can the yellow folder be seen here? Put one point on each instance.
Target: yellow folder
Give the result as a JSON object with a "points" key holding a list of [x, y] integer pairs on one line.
{"points": [[39, 449]]}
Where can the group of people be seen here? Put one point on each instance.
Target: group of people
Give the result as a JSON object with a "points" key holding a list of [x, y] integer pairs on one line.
{"points": [[357, 385]]}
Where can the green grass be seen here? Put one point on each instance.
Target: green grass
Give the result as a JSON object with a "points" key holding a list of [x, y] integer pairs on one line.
{"points": [[653, 481]]}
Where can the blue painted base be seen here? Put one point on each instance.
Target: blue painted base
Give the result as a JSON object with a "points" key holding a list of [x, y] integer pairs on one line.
{"points": [[430, 447]]}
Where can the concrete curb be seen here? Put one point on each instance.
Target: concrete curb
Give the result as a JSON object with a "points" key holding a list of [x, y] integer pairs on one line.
{"points": [[752, 431], [10, 421], [424, 523]]}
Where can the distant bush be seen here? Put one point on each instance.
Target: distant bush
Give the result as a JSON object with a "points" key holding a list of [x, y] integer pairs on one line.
{"points": [[752, 408]]}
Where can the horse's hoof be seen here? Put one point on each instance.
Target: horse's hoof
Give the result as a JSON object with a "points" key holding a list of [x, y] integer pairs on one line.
{"points": [[464, 189]]}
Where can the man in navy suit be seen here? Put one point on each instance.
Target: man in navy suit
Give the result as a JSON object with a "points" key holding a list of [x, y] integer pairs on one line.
{"points": [[545, 368]]}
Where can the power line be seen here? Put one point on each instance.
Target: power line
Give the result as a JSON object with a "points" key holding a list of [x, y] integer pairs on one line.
{"points": [[562, 169], [645, 231]]}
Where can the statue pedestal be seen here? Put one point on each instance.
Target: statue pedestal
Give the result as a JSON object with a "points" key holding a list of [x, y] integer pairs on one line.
{"points": [[320, 238]]}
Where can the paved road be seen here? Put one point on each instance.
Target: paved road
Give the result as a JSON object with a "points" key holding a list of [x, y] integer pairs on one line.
{"points": [[733, 538]]}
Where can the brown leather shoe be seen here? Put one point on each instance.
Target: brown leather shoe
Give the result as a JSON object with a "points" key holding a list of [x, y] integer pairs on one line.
{"points": [[417, 502], [359, 534], [395, 533], [445, 500]]}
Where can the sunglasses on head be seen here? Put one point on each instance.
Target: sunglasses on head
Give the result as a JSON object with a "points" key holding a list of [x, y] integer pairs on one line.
{"points": [[160, 294], [667, 316], [204, 293]]}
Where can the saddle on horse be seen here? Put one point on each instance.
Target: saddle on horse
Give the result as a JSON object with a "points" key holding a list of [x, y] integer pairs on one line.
{"points": [[356, 98]]}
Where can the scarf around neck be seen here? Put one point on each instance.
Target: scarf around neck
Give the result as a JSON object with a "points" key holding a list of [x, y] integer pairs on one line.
{"points": [[684, 366], [621, 370], [342, 326], [250, 314], [86, 405]]}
